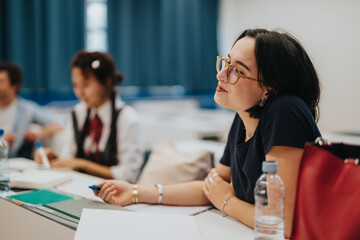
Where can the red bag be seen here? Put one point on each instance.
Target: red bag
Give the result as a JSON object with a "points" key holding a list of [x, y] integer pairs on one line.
{"points": [[328, 194]]}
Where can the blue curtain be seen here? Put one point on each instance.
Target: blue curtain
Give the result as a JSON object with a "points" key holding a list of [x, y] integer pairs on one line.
{"points": [[42, 36], [165, 42]]}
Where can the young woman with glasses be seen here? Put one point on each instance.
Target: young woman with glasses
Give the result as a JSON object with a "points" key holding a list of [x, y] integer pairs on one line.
{"points": [[103, 137], [270, 82]]}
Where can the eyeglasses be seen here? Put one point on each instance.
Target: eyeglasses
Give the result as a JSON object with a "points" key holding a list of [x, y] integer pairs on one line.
{"points": [[233, 74]]}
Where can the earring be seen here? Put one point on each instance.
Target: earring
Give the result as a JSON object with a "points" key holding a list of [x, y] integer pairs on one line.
{"points": [[262, 102]]}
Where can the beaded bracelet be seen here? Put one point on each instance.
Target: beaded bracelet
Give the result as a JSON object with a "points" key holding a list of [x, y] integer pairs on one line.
{"points": [[135, 194]]}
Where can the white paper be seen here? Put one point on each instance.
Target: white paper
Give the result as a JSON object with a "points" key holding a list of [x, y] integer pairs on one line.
{"points": [[213, 225], [108, 224], [22, 164], [179, 210], [37, 179], [80, 185]]}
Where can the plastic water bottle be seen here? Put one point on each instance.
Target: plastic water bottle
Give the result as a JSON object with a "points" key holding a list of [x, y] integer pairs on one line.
{"points": [[269, 204], [4, 165]]}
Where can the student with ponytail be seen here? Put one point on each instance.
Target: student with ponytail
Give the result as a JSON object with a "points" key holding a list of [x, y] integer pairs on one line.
{"points": [[102, 137]]}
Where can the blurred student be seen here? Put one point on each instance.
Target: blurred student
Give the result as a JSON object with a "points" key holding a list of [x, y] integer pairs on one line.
{"points": [[270, 82], [18, 114], [103, 137]]}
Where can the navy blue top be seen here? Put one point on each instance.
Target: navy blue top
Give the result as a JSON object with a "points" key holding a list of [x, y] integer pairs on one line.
{"points": [[285, 121]]}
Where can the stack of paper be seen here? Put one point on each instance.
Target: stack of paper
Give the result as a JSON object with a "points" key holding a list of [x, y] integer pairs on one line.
{"points": [[179, 210], [108, 224], [21, 164], [37, 179]]}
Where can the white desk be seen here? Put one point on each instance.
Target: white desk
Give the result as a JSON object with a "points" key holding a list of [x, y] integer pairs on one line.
{"points": [[214, 226], [17, 222]]}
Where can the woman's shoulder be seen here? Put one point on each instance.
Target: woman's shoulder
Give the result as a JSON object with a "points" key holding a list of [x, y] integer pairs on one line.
{"points": [[286, 101], [128, 114], [130, 111], [25, 104], [286, 106], [124, 108]]}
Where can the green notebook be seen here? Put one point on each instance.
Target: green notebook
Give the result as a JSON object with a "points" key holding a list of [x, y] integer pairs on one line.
{"points": [[41, 196]]}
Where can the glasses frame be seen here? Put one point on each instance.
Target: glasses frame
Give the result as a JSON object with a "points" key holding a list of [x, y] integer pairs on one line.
{"points": [[228, 66]]}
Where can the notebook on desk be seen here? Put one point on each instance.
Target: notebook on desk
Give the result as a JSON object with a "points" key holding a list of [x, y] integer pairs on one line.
{"points": [[38, 197], [74, 207], [38, 179], [59, 207], [21, 164]]}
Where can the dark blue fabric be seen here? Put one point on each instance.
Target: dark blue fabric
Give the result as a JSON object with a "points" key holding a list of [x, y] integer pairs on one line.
{"points": [[42, 37], [162, 42], [285, 121]]}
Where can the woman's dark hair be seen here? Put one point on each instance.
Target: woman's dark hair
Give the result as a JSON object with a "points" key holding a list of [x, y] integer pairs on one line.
{"points": [[14, 71], [101, 65], [284, 68]]}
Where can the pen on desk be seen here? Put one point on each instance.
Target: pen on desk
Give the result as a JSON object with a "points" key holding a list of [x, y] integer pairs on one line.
{"points": [[95, 187], [44, 158]]}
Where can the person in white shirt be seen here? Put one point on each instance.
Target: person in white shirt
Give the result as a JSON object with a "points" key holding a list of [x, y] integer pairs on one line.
{"points": [[103, 137], [18, 114]]}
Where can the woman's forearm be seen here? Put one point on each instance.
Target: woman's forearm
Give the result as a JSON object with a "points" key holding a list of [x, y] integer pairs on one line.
{"points": [[95, 169], [186, 194], [241, 210], [50, 129]]}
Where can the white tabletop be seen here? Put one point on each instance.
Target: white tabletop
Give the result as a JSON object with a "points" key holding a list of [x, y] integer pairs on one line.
{"points": [[211, 223]]}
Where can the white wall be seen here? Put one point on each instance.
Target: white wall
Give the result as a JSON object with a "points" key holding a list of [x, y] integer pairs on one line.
{"points": [[330, 32]]}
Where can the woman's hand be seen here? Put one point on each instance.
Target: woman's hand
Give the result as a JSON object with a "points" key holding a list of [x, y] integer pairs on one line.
{"points": [[49, 154], [32, 136], [216, 189], [10, 138], [115, 192]]}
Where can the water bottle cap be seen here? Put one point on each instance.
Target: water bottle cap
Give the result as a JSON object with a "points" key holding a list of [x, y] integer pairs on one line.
{"points": [[1, 132], [269, 166]]}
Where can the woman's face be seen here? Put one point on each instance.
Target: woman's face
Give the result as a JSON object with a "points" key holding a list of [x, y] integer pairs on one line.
{"points": [[245, 93], [89, 89]]}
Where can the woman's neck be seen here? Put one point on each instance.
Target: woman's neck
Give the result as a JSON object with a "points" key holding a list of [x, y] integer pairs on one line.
{"points": [[249, 123], [103, 101]]}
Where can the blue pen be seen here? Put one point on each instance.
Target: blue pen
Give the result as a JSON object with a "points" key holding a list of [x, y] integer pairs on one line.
{"points": [[95, 187], [44, 158]]}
